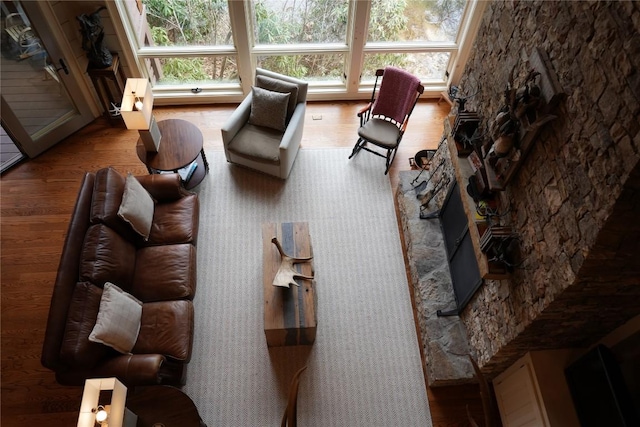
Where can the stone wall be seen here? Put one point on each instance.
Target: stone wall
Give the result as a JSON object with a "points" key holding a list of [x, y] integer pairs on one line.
{"points": [[575, 202]]}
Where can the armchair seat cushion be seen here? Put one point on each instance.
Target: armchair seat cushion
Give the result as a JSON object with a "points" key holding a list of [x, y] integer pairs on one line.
{"points": [[380, 132], [165, 273], [257, 143], [166, 328]]}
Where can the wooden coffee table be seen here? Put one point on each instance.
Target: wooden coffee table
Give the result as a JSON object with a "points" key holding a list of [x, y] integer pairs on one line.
{"points": [[181, 144], [289, 313]]}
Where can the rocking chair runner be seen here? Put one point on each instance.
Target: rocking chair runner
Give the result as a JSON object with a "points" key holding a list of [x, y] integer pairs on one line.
{"points": [[384, 120]]}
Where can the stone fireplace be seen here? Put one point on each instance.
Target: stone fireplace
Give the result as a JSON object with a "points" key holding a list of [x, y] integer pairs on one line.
{"points": [[575, 201]]}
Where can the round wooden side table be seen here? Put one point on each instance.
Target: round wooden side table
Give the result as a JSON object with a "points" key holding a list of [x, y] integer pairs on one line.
{"points": [[181, 145], [163, 406]]}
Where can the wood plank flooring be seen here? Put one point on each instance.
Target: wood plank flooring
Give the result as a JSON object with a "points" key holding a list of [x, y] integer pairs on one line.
{"points": [[37, 198]]}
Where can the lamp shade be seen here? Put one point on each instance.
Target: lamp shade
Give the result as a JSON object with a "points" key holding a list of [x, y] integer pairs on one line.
{"points": [[91, 400], [135, 91]]}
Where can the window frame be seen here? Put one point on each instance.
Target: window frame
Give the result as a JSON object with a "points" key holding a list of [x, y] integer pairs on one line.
{"points": [[355, 49]]}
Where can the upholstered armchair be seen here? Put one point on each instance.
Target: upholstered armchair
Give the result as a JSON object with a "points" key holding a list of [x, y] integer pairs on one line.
{"points": [[265, 131]]}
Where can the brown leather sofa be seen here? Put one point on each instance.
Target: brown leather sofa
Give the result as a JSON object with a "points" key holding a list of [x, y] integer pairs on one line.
{"points": [[160, 272]]}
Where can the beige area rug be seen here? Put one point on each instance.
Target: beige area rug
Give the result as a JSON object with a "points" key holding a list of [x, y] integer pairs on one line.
{"points": [[364, 368]]}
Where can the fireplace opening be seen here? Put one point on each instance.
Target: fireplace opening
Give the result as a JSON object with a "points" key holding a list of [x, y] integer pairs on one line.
{"points": [[463, 264]]}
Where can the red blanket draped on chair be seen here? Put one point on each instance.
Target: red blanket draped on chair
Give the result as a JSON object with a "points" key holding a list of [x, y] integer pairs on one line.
{"points": [[398, 91]]}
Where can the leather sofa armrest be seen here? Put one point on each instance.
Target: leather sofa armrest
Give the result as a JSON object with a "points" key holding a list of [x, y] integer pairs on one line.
{"points": [[67, 276], [163, 187], [138, 369]]}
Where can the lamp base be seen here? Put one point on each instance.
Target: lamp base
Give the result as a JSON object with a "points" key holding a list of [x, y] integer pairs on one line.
{"points": [[151, 138]]}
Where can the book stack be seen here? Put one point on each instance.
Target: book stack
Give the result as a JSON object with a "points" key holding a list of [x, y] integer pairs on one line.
{"points": [[187, 172], [494, 235]]}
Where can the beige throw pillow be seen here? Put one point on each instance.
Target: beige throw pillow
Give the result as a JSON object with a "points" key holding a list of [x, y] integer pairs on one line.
{"points": [[118, 322], [137, 207], [268, 108]]}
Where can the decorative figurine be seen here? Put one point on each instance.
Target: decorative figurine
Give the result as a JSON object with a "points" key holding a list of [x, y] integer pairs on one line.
{"points": [[92, 40]]}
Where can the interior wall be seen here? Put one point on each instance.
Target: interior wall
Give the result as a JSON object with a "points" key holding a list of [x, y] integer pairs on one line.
{"points": [[574, 200]]}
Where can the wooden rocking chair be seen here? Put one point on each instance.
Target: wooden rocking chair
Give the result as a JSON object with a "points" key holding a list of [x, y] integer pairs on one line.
{"points": [[384, 120]]}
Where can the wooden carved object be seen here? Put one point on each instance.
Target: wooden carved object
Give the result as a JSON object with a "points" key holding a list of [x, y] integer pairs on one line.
{"points": [[287, 274]]}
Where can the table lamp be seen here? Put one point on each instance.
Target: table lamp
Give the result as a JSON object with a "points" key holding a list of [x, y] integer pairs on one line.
{"points": [[103, 404], [137, 112]]}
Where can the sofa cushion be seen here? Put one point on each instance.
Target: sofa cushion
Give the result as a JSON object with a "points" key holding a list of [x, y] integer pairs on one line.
{"points": [[107, 197], [137, 207], [76, 349], [268, 108], [175, 222], [118, 321], [276, 85], [165, 272], [107, 257], [166, 328]]}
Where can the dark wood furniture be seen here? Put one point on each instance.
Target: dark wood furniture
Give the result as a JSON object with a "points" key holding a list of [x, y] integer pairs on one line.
{"points": [[109, 84], [289, 313], [163, 406], [181, 144]]}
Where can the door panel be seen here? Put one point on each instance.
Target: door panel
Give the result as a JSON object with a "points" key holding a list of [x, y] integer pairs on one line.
{"points": [[41, 101]]}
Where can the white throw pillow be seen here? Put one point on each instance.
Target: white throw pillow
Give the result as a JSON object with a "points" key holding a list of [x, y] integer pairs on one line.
{"points": [[118, 322], [137, 207]]}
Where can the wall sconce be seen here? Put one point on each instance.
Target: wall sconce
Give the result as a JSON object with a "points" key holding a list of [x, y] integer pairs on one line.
{"points": [[137, 112], [103, 403]]}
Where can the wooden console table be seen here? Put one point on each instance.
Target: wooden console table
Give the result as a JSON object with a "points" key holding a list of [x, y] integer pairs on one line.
{"points": [[290, 316], [109, 84]]}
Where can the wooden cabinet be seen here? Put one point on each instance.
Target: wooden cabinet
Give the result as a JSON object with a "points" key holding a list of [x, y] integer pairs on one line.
{"points": [[533, 391], [109, 84]]}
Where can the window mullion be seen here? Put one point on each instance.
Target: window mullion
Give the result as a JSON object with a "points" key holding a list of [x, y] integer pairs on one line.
{"points": [[358, 38], [185, 51], [241, 30]]}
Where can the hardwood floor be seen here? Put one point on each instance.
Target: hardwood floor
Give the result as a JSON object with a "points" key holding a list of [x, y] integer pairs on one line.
{"points": [[37, 199]]}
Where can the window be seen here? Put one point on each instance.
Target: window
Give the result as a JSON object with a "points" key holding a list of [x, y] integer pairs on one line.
{"points": [[415, 20], [430, 67], [189, 23], [297, 22], [210, 47]]}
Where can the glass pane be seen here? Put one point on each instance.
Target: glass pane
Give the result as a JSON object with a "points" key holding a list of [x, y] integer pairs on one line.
{"points": [[414, 20], [30, 82], [426, 66], [308, 67], [189, 22], [200, 70], [302, 21]]}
